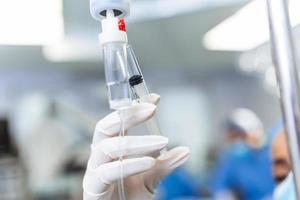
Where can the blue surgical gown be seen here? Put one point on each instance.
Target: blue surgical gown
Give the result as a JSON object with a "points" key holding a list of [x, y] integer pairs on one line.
{"points": [[180, 184], [246, 172]]}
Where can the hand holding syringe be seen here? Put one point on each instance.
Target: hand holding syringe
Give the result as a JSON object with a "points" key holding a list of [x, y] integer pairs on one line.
{"points": [[137, 174]]}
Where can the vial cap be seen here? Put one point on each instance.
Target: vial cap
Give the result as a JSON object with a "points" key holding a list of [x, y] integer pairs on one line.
{"points": [[122, 25]]}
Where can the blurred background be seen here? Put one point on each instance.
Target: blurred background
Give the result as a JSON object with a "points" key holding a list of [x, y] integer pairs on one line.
{"points": [[205, 58]]}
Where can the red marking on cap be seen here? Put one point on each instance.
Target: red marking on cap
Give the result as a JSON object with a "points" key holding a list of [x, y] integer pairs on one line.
{"points": [[122, 25]]}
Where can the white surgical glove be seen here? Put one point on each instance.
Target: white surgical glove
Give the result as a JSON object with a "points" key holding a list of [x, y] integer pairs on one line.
{"points": [[142, 173]]}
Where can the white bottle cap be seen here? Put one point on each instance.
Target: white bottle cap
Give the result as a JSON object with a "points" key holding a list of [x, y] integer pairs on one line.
{"points": [[111, 32]]}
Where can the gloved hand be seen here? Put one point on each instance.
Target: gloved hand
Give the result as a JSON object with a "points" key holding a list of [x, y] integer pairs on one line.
{"points": [[142, 173]]}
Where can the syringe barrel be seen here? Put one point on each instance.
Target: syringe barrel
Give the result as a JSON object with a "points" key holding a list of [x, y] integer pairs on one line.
{"points": [[115, 63], [141, 90]]}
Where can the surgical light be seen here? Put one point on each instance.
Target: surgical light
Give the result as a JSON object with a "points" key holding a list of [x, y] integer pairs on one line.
{"points": [[247, 28], [31, 22]]}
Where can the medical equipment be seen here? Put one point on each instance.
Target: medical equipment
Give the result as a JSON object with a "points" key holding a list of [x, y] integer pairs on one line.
{"points": [[284, 59], [125, 82], [12, 173], [140, 89], [114, 43]]}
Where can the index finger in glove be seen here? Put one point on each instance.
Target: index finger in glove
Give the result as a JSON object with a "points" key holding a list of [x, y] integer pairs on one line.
{"points": [[111, 124], [151, 98], [165, 164], [109, 149]]}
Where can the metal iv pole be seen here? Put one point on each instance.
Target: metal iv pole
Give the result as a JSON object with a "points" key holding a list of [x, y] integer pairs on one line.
{"points": [[284, 59]]}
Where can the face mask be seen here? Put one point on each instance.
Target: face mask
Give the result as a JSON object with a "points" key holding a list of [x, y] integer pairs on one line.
{"points": [[286, 189]]}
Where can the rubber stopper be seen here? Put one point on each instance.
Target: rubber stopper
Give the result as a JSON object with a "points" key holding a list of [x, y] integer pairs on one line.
{"points": [[135, 80]]}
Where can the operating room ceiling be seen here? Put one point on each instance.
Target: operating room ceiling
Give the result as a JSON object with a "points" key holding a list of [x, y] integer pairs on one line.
{"points": [[170, 40]]}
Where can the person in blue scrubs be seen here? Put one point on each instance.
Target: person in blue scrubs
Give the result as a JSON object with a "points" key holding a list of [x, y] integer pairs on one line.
{"points": [[285, 189], [280, 157], [244, 170], [180, 184]]}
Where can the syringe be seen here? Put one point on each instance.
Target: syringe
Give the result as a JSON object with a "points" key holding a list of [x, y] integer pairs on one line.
{"points": [[140, 90]]}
